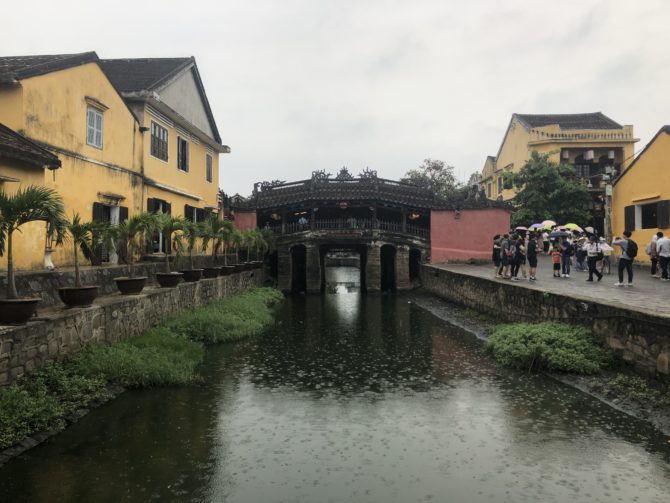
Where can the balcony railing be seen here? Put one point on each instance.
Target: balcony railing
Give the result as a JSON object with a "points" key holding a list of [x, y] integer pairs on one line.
{"points": [[352, 224]]}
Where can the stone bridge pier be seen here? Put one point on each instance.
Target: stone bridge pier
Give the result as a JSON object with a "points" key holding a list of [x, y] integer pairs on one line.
{"points": [[383, 266]]}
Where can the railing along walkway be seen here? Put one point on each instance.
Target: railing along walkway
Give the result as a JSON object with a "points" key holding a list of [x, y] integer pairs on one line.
{"points": [[345, 224]]}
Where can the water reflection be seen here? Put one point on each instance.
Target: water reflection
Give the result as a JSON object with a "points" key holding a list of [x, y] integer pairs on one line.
{"points": [[351, 397]]}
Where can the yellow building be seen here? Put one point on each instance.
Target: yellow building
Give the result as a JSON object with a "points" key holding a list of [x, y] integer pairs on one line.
{"points": [[23, 162], [641, 194], [181, 142], [130, 138], [591, 142]]}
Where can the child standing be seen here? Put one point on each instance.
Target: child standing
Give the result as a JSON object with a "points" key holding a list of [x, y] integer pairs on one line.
{"points": [[556, 260]]}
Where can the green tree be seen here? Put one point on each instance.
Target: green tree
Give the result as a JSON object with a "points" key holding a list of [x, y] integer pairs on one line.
{"points": [[547, 190], [437, 176]]}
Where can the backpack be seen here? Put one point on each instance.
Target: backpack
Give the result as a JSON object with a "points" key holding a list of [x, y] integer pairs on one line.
{"points": [[631, 250]]}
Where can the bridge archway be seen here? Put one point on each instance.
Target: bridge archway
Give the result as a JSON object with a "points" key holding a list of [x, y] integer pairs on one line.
{"points": [[414, 264], [387, 257], [298, 268], [353, 249]]}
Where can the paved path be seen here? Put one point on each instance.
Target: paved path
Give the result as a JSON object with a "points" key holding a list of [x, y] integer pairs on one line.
{"points": [[647, 294]]}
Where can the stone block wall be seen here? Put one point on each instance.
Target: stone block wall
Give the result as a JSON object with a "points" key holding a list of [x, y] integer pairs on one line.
{"points": [[55, 336], [642, 339]]}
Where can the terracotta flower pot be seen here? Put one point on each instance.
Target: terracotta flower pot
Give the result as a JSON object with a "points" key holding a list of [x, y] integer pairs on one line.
{"points": [[168, 279], [191, 275], [211, 272], [15, 311], [131, 286], [76, 296], [227, 270]]}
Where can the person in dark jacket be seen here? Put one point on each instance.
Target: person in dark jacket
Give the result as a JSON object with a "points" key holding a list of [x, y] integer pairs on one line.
{"points": [[531, 256]]}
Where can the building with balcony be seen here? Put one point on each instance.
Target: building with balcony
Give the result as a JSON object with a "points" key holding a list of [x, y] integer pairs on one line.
{"points": [[596, 146]]}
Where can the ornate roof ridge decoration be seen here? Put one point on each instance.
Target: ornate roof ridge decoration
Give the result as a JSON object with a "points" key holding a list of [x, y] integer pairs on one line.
{"points": [[367, 174], [344, 174], [320, 176]]}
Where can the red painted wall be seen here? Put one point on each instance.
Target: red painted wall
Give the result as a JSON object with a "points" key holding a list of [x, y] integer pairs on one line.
{"points": [[245, 220], [465, 235]]}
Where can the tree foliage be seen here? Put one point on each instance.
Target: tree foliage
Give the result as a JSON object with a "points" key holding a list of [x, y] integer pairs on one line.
{"points": [[547, 191], [436, 176]]}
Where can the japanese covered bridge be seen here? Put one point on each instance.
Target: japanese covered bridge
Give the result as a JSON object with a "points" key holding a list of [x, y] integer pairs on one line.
{"points": [[390, 228]]}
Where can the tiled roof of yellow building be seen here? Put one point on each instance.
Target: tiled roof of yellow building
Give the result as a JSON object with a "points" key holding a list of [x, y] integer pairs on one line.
{"points": [[596, 120], [15, 146], [14, 68]]}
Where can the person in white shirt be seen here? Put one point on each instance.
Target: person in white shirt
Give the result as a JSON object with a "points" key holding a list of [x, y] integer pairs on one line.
{"points": [[592, 249], [663, 250]]}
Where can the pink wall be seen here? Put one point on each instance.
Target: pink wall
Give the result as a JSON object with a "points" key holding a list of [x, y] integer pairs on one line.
{"points": [[468, 236], [245, 220]]}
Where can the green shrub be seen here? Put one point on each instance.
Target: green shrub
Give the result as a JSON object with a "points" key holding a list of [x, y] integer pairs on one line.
{"points": [[641, 389], [549, 345], [41, 400], [228, 320], [156, 358]]}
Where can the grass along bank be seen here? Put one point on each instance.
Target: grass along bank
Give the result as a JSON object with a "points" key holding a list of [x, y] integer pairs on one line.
{"points": [[548, 346], [166, 355]]}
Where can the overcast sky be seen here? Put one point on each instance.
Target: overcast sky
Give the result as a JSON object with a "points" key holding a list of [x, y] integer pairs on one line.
{"points": [[300, 85]]}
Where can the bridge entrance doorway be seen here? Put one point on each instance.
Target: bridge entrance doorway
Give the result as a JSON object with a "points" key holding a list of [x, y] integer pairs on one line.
{"points": [[387, 263], [298, 269]]}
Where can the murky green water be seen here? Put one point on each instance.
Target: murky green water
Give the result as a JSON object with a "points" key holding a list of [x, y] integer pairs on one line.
{"points": [[350, 398]]}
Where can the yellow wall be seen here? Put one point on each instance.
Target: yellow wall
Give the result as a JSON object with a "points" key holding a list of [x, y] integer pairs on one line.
{"points": [[54, 110], [194, 181], [28, 246], [647, 182], [11, 106]]}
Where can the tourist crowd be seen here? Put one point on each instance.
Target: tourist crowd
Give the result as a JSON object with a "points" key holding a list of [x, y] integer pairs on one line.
{"points": [[517, 253]]}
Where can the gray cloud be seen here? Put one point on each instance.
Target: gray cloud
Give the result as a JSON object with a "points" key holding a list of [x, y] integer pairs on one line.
{"points": [[299, 85]]}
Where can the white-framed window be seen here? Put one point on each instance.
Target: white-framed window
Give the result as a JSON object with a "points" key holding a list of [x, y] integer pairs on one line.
{"points": [[182, 154], [94, 123], [208, 168], [159, 141]]}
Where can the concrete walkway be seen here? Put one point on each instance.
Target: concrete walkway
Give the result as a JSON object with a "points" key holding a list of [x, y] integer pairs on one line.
{"points": [[647, 294]]}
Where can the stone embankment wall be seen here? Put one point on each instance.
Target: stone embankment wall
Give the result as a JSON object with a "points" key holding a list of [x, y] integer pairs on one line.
{"points": [[640, 338], [59, 333]]}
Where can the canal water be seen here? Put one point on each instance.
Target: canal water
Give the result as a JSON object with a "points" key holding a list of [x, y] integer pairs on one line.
{"points": [[350, 398]]}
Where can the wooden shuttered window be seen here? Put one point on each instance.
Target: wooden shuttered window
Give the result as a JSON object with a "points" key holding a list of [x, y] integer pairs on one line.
{"points": [[629, 217], [193, 214], [182, 154], [189, 213], [159, 141], [663, 214]]}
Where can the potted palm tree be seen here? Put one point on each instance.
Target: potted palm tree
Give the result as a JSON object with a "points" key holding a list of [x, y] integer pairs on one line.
{"points": [[131, 237], [237, 241], [82, 236], [225, 238], [169, 226], [211, 234], [30, 204], [249, 241], [190, 232]]}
